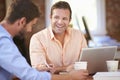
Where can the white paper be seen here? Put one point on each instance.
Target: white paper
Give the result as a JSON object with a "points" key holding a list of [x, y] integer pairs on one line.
{"points": [[107, 76]]}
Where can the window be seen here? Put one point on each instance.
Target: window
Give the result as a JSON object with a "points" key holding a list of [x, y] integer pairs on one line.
{"points": [[92, 10]]}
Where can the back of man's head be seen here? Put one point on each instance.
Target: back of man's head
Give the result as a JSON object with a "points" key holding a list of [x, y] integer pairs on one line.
{"points": [[22, 8]]}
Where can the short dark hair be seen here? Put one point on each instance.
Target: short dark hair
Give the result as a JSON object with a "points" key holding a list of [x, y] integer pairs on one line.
{"points": [[22, 8], [61, 5]]}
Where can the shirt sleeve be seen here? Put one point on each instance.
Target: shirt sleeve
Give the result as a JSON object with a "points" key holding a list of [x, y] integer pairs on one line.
{"points": [[12, 61]]}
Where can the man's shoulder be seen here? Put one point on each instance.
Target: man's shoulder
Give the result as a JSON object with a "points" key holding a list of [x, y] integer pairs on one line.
{"points": [[41, 32], [76, 31], [4, 33]]}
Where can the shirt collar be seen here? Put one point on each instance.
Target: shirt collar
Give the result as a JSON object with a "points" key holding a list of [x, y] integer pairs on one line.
{"points": [[50, 32], [52, 36], [4, 32]]}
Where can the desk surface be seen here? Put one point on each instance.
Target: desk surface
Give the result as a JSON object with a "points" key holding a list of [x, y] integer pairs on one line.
{"points": [[90, 78]]}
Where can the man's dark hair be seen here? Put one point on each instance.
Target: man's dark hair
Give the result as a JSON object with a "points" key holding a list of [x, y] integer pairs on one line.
{"points": [[61, 5], [22, 8]]}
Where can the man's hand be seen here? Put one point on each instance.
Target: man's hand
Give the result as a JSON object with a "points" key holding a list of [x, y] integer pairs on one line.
{"points": [[72, 75], [79, 74], [56, 70], [70, 68], [44, 67]]}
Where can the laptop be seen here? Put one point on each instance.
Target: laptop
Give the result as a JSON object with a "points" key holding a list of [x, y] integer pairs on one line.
{"points": [[97, 57]]}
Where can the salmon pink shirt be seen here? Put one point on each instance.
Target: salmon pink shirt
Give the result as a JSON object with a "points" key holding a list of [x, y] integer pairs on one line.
{"points": [[44, 47]]}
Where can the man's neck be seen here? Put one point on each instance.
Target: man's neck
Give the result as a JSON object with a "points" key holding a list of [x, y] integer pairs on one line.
{"points": [[60, 37]]}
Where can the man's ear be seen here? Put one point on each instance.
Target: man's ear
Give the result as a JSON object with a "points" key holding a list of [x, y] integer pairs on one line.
{"points": [[50, 16], [23, 21]]}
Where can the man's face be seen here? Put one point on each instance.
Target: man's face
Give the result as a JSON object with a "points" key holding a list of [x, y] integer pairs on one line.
{"points": [[60, 20], [27, 27]]}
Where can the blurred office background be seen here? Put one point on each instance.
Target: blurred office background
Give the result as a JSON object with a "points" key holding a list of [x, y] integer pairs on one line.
{"points": [[101, 17]]}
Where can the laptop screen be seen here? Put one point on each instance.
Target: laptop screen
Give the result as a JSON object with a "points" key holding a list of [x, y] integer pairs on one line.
{"points": [[97, 57]]}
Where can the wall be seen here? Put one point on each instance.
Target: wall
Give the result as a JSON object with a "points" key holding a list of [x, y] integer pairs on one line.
{"points": [[113, 18], [2, 9], [47, 12]]}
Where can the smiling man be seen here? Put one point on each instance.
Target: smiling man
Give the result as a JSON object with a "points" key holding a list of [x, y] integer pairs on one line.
{"points": [[58, 44]]}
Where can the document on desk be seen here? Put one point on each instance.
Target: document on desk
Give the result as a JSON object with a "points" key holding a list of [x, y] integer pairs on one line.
{"points": [[107, 76]]}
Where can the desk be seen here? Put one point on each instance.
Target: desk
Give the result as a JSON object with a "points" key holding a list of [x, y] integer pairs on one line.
{"points": [[90, 78]]}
